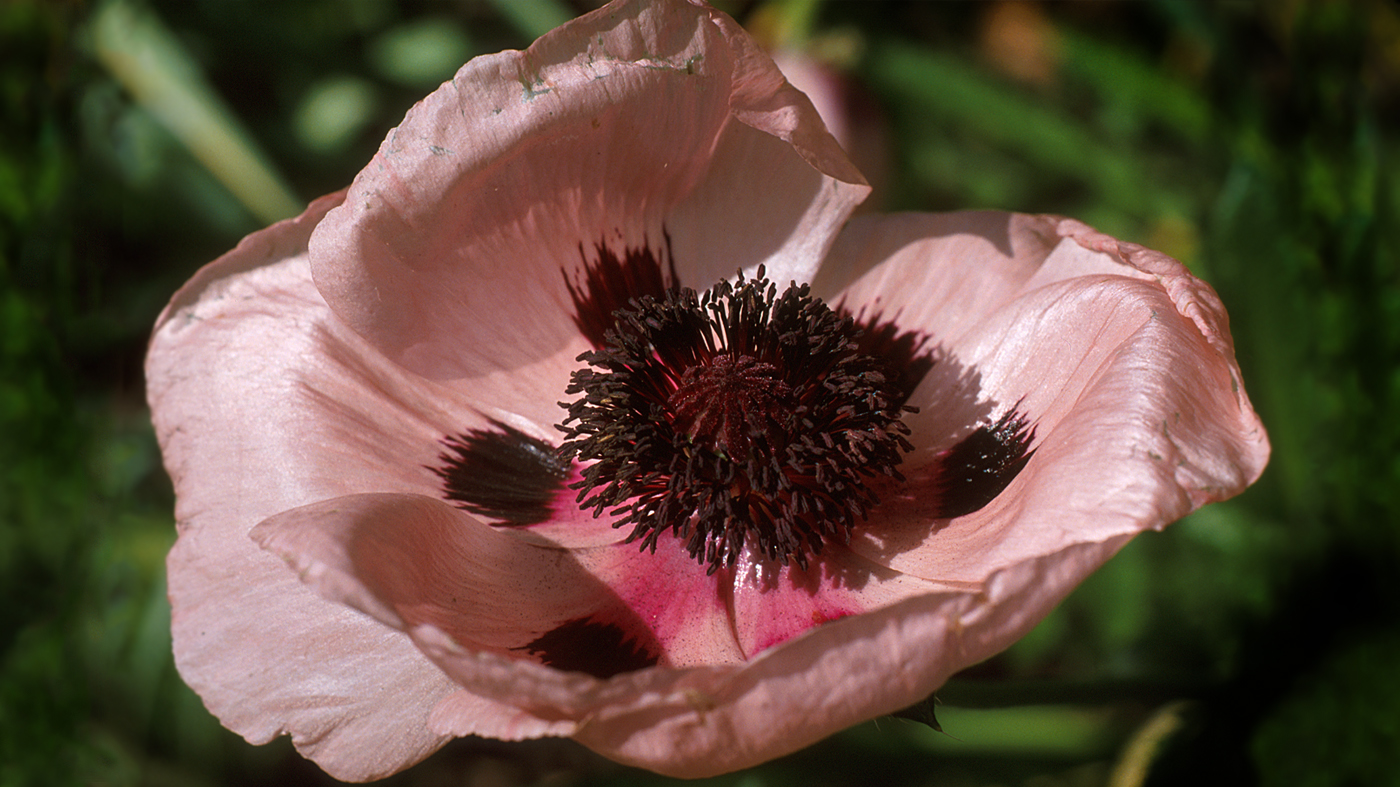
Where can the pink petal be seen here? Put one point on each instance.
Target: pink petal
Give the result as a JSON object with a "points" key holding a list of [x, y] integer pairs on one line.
{"points": [[705, 720], [263, 402], [404, 560], [413, 562], [469, 594], [851, 115], [708, 722], [685, 608], [248, 362], [633, 124], [267, 655], [463, 713], [1115, 353], [410, 561], [937, 272], [775, 604], [479, 601]]}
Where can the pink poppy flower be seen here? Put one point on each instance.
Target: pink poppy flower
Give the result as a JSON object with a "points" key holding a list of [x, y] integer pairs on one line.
{"points": [[774, 504]]}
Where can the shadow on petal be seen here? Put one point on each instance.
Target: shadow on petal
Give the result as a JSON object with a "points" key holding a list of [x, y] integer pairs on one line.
{"points": [[413, 562]]}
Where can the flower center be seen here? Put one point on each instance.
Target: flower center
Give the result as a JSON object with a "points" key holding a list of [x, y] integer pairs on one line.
{"points": [[731, 402], [738, 419]]}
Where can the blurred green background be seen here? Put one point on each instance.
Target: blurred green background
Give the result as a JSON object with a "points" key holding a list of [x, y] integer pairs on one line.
{"points": [[1255, 642]]}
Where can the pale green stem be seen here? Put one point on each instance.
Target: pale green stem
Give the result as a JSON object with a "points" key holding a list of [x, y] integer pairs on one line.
{"points": [[150, 62]]}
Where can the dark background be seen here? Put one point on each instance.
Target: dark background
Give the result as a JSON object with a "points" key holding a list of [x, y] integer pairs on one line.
{"points": [[1255, 642]]}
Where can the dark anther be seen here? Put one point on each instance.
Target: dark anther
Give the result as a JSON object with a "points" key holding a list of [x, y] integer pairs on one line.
{"points": [[908, 353], [737, 419]]}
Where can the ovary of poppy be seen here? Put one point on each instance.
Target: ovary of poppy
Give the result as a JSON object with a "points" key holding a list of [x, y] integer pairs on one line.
{"points": [[383, 536]]}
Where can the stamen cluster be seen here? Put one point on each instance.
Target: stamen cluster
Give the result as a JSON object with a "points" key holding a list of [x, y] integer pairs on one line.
{"points": [[735, 418]]}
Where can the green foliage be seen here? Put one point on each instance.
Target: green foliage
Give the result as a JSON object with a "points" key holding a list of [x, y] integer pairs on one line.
{"points": [[1250, 643], [1344, 713]]}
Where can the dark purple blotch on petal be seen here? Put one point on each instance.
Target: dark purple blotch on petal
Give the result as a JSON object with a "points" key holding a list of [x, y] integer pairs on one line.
{"points": [[502, 474], [609, 282], [908, 354], [972, 473], [598, 648]]}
